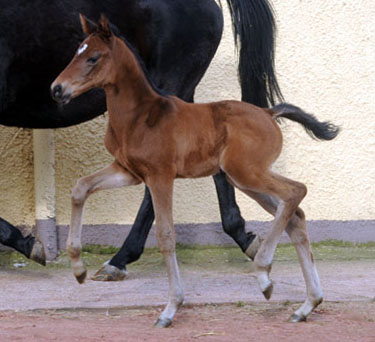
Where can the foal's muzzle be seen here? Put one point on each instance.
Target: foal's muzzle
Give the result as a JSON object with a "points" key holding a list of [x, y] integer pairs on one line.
{"points": [[60, 94]]}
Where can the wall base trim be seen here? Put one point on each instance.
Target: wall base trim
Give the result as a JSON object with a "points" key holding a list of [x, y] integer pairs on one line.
{"points": [[212, 233], [47, 232], [355, 231]]}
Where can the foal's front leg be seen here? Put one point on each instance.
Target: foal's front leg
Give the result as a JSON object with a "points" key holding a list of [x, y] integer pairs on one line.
{"points": [[112, 176], [133, 246], [162, 192]]}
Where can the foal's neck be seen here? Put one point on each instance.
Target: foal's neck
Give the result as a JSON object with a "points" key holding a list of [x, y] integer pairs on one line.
{"points": [[130, 89]]}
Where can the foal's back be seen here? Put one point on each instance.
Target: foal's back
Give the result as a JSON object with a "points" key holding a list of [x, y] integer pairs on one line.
{"points": [[206, 134]]}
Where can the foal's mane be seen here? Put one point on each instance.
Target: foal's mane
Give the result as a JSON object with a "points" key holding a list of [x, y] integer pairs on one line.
{"points": [[140, 60]]}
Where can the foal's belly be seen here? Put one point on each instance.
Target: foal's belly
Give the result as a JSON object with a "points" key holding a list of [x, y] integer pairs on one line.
{"points": [[190, 168]]}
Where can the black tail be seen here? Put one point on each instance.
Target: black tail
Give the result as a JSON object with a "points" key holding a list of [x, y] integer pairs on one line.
{"points": [[254, 33], [314, 128]]}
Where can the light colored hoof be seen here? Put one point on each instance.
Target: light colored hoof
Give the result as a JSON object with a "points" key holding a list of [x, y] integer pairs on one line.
{"points": [[297, 318], [163, 323], [37, 253], [109, 273], [79, 271], [267, 293], [252, 250]]}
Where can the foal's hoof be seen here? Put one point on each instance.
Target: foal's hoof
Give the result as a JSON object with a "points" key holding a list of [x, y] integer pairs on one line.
{"points": [[37, 253], [79, 271], [81, 276], [163, 323], [252, 250], [297, 318], [268, 291], [109, 273]]}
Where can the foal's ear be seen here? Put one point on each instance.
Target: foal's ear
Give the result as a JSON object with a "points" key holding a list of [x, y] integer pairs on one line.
{"points": [[88, 26], [104, 29]]}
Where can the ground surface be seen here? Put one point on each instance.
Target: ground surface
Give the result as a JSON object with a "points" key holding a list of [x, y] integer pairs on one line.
{"points": [[223, 302]]}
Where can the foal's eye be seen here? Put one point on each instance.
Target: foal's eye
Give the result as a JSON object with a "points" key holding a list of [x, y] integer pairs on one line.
{"points": [[93, 59]]}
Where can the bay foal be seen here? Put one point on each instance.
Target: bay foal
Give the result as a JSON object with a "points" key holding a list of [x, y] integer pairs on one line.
{"points": [[156, 138]]}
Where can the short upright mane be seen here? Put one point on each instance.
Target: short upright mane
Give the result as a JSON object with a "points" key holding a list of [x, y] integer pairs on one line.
{"points": [[117, 33]]}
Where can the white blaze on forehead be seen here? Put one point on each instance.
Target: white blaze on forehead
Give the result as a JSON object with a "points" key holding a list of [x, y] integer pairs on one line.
{"points": [[82, 48]]}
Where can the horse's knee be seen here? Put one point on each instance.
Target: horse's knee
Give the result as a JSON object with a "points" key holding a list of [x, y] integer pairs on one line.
{"points": [[79, 192], [166, 240]]}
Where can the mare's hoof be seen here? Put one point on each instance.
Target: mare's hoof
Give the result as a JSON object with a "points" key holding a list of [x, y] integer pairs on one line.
{"points": [[81, 276], [163, 323], [37, 253], [268, 291], [297, 318], [109, 273], [252, 250]]}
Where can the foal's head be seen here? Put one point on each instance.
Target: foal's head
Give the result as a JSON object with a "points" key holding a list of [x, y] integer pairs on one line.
{"points": [[92, 64]]}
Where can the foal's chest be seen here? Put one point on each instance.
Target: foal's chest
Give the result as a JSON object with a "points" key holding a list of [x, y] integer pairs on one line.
{"points": [[111, 141]]}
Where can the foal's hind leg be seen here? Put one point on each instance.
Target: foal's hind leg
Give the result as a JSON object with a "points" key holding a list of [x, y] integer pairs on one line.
{"points": [[296, 229], [290, 194], [112, 176]]}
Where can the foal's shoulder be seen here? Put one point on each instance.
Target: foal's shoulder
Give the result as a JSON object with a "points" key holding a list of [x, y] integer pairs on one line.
{"points": [[160, 108]]}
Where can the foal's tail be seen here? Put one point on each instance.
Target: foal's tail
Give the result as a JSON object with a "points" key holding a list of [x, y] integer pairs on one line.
{"points": [[316, 129]]}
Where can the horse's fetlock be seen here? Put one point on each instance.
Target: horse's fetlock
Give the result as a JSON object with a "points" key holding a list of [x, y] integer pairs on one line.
{"points": [[266, 269], [232, 224]]}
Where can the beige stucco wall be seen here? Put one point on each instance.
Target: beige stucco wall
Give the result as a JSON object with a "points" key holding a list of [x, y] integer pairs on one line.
{"points": [[17, 179], [325, 61]]}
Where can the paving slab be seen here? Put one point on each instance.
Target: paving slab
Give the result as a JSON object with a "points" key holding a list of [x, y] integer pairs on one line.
{"points": [[30, 289]]}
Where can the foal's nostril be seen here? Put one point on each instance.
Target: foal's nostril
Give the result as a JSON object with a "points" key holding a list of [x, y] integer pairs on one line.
{"points": [[57, 91]]}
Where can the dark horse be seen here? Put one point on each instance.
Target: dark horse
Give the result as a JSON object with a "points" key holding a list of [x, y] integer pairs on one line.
{"points": [[177, 40]]}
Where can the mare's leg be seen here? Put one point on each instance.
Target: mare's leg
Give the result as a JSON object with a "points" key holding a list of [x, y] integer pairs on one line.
{"points": [[162, 192], [233, 223], [29, 246], [112, 176], [296, 229]]}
